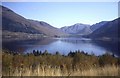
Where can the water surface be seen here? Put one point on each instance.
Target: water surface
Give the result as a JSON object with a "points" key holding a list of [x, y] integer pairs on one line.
{"points": [[62, 45]]}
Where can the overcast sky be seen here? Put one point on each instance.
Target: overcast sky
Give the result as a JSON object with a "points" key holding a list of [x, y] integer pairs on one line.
{"points": [[60, 14]]}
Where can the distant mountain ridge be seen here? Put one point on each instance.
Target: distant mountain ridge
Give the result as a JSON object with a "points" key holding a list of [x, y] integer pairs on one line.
{"points": [[77, 29], [16, 24]]}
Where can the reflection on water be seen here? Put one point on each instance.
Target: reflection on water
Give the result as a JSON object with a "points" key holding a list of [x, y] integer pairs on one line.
{"points": [[63, 45]]}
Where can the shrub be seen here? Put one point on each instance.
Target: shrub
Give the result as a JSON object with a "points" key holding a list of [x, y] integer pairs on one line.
{"points": [[107, 59]]}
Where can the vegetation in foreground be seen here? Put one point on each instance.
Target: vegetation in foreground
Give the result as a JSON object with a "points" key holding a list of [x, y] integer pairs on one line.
{"points": [[76, 63]]}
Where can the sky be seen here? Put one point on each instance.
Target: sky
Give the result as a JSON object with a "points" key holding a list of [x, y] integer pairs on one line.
{"points": [[59, 14], [59, 0]]}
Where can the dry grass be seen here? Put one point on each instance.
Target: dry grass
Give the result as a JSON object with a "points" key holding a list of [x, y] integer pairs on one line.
{"points": [[46, 71], [103, 71]]}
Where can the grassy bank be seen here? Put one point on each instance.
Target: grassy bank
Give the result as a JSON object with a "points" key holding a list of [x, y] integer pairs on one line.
{"points": [[76, 63]]}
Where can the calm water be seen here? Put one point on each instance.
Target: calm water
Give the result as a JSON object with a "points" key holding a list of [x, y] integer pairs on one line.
{"points": [[63, 45]]}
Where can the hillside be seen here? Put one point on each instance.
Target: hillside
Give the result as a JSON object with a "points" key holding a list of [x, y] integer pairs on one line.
{"points": [[15, 23], [97, 25], [109, 30], [46, 28]]}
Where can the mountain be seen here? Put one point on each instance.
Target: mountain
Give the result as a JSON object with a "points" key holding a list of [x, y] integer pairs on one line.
{"points": [[109, 30], [16, 24], [97, 25], [78, 28]]}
